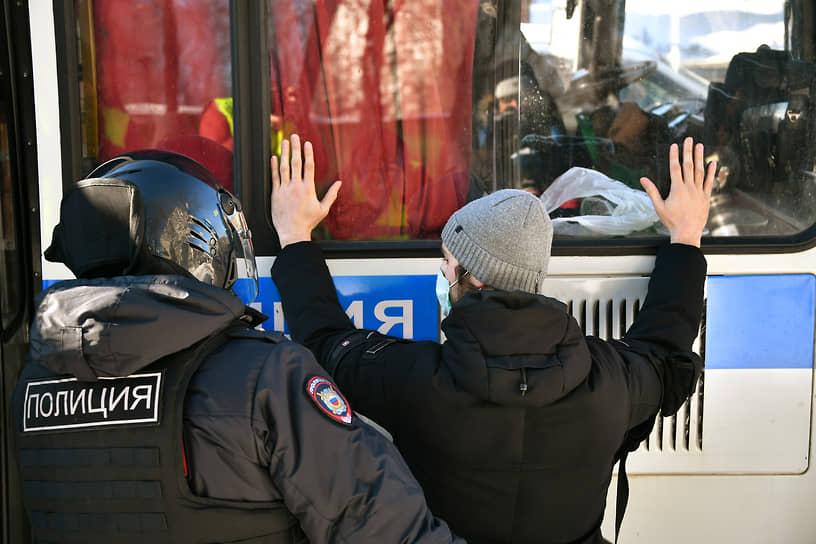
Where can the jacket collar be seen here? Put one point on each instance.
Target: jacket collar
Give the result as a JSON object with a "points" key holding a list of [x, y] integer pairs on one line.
{"points": [[116, 326], [499, 341]]}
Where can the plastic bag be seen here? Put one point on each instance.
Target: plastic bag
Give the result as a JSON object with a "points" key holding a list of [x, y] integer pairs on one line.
{"points": [[632, 210]]}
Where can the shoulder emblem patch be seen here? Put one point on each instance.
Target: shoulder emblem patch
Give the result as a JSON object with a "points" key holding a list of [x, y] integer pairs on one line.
{"points": [[328, 399]]}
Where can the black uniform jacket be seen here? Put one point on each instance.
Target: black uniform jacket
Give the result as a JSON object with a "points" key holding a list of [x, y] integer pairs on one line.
{"points": [[497, 463], [253, 431]]}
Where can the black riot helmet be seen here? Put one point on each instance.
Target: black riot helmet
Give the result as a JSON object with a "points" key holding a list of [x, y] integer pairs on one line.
{"points": [[155, 212]]}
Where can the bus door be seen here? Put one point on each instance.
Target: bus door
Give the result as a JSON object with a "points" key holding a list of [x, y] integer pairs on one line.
{"points": [[17, 171]]}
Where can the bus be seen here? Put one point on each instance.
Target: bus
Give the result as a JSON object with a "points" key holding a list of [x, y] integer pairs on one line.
{"points": [[420, 106]]}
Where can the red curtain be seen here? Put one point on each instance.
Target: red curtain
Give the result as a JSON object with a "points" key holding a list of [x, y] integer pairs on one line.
{"points": [[385, 96], [382, 89], [158, 63]]}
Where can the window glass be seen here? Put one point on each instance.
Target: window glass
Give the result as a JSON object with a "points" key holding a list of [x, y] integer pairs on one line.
{"points": [[420, 106], [607, 86], [157, 74], [383, 90]]}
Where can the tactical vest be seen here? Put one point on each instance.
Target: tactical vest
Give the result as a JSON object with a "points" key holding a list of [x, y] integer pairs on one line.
{"points": [[103, 461]]}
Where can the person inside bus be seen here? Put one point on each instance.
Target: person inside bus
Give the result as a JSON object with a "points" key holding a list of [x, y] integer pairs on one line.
{"points": [[513, 424], [217, 121], [151, 409]]}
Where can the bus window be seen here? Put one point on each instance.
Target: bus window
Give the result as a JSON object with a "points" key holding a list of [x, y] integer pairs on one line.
{"points": [[157, 74], [422, 106], [383, 90], [608, 86]]}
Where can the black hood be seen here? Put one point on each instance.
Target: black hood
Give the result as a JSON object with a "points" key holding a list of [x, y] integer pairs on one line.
{"points": [[496, 341], [117, 326]]}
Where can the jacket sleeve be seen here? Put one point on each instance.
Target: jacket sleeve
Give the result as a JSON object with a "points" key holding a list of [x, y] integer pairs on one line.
{"points": [[310, 303], [343, 481], [657, 346], [373, 377]]}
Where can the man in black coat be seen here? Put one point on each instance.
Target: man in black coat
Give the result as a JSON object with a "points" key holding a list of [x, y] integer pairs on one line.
{"points": [[513, 424], [151, 411]]}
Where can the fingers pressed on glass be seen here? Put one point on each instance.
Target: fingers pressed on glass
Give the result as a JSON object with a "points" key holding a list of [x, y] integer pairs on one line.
{"points": [[699, 166], [308, 165], [275, 174], [654, 194], [708, 184], [675, 172], [296, 158], [688, 161], [284, 162]]}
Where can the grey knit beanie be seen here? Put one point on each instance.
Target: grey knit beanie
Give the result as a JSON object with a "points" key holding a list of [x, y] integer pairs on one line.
{"points": [[503, 239]]}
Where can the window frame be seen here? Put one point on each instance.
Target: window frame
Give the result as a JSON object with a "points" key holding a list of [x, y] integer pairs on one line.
{"points": [[251, 88]]}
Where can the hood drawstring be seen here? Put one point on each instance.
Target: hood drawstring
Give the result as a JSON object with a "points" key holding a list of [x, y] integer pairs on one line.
{"points": [[523, 384]]}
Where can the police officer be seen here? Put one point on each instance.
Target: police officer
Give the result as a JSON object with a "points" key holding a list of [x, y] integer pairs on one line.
{"points": [[514, 423], [151, 411]]}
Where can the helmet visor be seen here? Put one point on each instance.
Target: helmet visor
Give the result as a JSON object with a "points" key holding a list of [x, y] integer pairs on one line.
{"points": [[246, 272]]}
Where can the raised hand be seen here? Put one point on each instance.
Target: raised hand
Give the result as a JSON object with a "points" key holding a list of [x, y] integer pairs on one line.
{"points": [[296, 210], [685, 211]]}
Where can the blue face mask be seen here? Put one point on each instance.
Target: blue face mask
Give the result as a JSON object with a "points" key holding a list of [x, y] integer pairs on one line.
{"points": [[443, 293]]}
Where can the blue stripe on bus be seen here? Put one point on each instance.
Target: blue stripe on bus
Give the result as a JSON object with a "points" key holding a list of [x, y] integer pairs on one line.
{"points": [[402, 306], [764, 321], [760, 321]]}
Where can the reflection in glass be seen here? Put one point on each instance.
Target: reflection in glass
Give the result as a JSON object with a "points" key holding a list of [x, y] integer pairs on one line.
{"points": [[608, 86], [421, 106], [383, 90], [163, 82]]}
